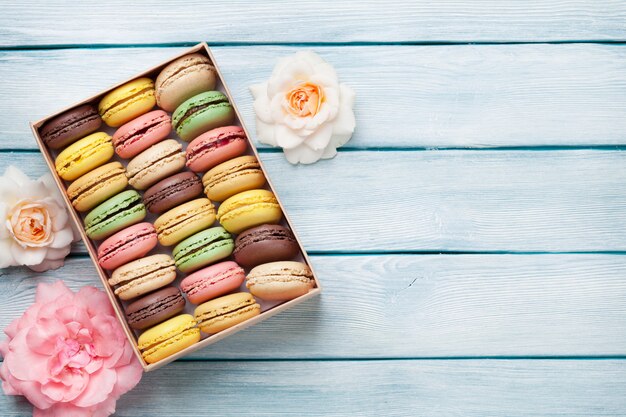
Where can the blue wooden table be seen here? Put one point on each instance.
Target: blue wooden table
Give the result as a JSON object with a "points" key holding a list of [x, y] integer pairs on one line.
{"points": [[471, 238]]}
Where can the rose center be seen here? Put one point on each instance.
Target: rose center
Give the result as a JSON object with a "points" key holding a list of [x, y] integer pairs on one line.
{"points": [[305, 99], [72, 354], [29, 222]]}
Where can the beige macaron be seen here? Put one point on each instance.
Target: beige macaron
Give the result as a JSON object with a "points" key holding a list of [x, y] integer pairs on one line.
{"points": [[185, 220], [231, 177], [96, 186], [283, 280], [143, 275], [155, 163]]}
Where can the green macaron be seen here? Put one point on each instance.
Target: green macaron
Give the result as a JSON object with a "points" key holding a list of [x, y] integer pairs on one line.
{"points": [[116, 213], [202, 113], [203, 248]]}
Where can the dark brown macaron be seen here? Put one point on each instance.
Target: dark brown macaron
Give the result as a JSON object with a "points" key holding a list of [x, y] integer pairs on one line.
{"points": [[70, 126], [155, 308], [263, 244], [172, 191]]}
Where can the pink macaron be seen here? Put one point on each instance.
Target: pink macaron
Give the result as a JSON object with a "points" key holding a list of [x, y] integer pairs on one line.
{"points": [[141, 133], [127, 245], [216, 146], [213, 281]]}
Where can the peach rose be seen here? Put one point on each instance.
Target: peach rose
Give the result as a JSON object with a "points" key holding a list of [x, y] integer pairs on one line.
{"points": [[36, 230], [304, 109]]}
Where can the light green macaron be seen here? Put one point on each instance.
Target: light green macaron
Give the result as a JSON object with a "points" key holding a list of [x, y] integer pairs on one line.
{"points": [[202, 113], [116, 213], [203, 248]]}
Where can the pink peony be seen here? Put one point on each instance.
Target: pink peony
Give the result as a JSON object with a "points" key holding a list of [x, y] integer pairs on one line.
{"points": [[68, 355]]}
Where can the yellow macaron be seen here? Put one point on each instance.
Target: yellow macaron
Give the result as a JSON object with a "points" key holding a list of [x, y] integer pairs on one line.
{"points": [[183, 221], [96, 186], [81, 157], [127, 102], [232, 177], [168, 338], [227, 311], [248, 209]]}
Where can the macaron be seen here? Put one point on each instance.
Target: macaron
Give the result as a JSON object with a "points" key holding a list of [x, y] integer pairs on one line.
{"points": [[203, 248], [94, 187], [227, 311], [263, 244], [278, 281], [127, 102], [168, 338], [172, 191], [127, 245], [213, 281], [83, 156], [155, 163], [118, 212], [248, 209], [184, 78], [143, 275], [232, 177], [201, 113], [139, 134], [155, 308], [70, 126], [184, 220], [216, 146]]}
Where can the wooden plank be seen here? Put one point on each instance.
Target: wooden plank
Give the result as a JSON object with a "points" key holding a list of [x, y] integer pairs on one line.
{"points": [[407, 96], [43, 23], [522, 201], [377, 388], [408, 306]]}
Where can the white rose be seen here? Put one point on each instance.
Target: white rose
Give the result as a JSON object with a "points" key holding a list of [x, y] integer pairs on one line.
{"points": [[35, 228], [304, 109]]}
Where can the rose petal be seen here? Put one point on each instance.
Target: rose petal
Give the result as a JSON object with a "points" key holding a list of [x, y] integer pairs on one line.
{"points": [[128, 376], [302, 154], [6, 256], [23, 363], [287, 138], [319, 140], [265, 132], [43, 338], [13, 173], [325, 75], [309, 56], [291, 74], [100, 385], [28, 256], [62, 238], [57, 291]]}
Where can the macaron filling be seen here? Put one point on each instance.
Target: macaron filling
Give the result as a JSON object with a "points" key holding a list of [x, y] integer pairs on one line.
{"points": [[95, 184], [151, 163], [153, 309], [218, 101], [195, 65], [210, 145], [217, 315], [127, 207], [222, 239], [136, 135], [242, 169], [192, 288], [187, 218], [276, 234], [122, 101], [150, 346], [166, 192], [65, 126], [118, 246]]}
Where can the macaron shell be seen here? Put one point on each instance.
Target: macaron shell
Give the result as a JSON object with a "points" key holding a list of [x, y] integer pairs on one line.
{"points": [[127, 102], [143, 276], [70, 126], [139, 134], [168, 338], [216, 146], [155, 163], [96, 186], [201, 113], [118, 212], [84, 155], [184, 78], [232, 177], [227, 311], [172, 191], [127, 245], [263, 244], [184, 220], [278, 281], [155, 308], [248, 209], [203, 248], [213, 281]]}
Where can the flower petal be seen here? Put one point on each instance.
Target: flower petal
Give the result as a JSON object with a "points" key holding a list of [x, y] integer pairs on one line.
{"points": [[28, 256], [265, 132], [287, 138], [63, 238], [55, 292], [302, 154], [16, 175], [6, 256], [319, 140], [100, 385], [294, 72]]}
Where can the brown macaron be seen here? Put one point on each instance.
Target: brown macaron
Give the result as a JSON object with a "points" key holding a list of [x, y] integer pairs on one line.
{"points": [[172, 191], [155, 308], [70, 126], [263, 244]]}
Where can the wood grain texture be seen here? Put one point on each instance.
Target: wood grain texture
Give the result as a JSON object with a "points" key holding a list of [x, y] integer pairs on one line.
{"points": [[522, 201], [474, 388], [407, 306], [407, 96], [43, 23]]}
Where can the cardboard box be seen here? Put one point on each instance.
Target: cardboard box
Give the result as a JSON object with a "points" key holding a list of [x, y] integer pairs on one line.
{"points": [[49, 156]]}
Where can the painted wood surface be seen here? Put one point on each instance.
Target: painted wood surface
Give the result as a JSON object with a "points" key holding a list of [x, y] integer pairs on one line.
{"points": [[413, 96], [379, 388], [284, 21], [490, 201], [416, 306]]}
